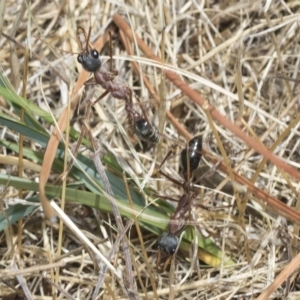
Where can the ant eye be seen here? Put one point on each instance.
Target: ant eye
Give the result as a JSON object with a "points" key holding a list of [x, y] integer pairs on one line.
{"points": [[79, 58], [95, 54]]}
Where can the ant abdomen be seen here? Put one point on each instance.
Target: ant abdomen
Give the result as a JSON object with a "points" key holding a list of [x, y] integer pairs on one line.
{"points": [[191, 156], [145, 131], [167, 243], [90, 61]]}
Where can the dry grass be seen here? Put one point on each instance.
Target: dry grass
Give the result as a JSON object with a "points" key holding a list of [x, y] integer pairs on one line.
{"points": [[230, 52]]}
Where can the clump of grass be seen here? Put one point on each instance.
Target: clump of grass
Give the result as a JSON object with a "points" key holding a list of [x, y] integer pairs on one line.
{"points": [[235, 55]]}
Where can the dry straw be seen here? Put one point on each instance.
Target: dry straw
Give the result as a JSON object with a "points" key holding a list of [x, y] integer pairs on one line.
{"points": [[225, 62]]}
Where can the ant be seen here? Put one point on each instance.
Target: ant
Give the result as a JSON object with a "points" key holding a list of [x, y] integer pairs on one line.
{"points": [[90, 61], [189, 161]]}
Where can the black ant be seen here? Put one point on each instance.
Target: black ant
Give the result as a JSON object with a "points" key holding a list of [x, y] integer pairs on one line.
{"points": [[90, 61], [189, 161]]}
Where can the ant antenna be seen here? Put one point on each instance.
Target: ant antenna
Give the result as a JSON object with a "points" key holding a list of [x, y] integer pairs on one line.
{"points": [[110, 50], [88, 38], [82, 33]]}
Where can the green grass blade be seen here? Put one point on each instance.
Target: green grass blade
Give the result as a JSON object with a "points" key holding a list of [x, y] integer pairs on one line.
{"points": [[150, 218]]}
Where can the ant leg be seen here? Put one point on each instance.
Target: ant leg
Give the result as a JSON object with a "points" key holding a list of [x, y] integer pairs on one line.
{"points": [[110, 51], [168, 260], [170, 178], [76, 150], [203, 207], [213, 208], [165, 174], [90, 81], [132, 114], [88, 39], [158, 260], [91, 138], [165, 197], [208, 173], [165, 159], [166, 263], [101, 96], [81, 31], [143, 111], [113, 72], [185, 185]]}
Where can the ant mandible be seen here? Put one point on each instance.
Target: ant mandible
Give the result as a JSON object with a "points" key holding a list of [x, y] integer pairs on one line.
{"points": [[189, 161]]}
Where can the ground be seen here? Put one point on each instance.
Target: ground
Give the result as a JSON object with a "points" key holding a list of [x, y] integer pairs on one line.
{"points": [[222, 70]]}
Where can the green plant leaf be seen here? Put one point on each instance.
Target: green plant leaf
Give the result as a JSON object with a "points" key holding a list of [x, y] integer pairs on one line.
{"points": [[8, 92], [14, 213], [149, 217]]}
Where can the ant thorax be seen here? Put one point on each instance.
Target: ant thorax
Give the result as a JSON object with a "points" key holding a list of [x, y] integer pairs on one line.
{"points": [[90, 61]]}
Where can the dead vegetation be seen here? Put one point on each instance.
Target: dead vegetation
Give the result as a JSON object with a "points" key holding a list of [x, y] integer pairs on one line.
{"points": [[215, 68]]}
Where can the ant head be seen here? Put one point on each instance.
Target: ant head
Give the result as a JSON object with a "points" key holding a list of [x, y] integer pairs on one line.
{"points": [[88, 57], [167, 243], [90, 61]]}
